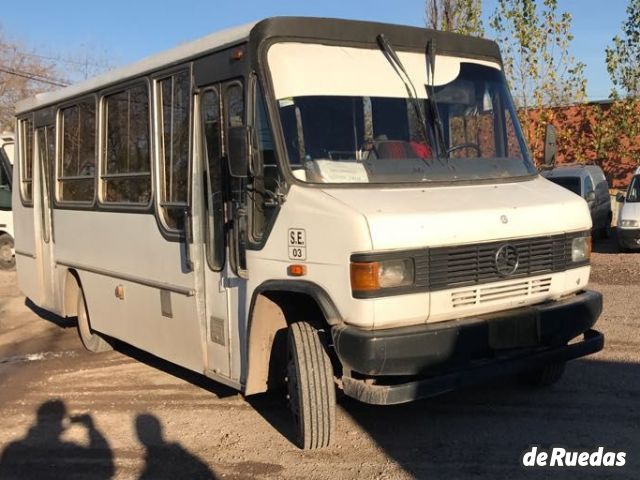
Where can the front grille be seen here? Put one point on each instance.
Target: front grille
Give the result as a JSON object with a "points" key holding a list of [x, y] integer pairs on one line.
{"points": [[468, 265], [444, 268]]}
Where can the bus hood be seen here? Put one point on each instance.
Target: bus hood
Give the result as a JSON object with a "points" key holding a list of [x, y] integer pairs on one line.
{"points": [[401, 218]]}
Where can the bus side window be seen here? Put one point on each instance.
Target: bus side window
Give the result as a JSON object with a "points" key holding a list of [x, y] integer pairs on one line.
{"points": [[5, 182], [77, 162], [211, 144], [127, 159], [234, 112], [26, 155], [175, 110]]}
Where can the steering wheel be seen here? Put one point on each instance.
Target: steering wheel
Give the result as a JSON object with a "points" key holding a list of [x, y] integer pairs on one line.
{"points": [[460, 146]]}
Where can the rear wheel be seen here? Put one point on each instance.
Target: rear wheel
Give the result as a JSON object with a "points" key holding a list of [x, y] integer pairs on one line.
{"points": [[545, 376], [7, 257], [311, 391], [91, 340]]}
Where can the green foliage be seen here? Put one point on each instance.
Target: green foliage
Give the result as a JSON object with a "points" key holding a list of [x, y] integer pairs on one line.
{"points": [[623, 57], [460, 16], [620, 123], [535, 39]]}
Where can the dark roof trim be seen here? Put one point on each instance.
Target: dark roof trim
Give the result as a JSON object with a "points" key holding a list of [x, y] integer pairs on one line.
{"points": [[355, 32]]}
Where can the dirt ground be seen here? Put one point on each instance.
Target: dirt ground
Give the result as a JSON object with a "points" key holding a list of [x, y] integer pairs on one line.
{"points": [[65, 413]]}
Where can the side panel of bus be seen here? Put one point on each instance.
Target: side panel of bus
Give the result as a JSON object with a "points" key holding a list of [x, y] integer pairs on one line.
{"points": [[24, 185]]}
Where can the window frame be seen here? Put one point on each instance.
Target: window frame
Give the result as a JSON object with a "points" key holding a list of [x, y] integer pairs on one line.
{"points": [[158, 159], [256, 94], [219, 247], [26, 202], [102, 122], [59, 154]]}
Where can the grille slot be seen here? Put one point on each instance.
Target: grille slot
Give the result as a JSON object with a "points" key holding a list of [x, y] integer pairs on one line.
{"points": [[515, 289]]}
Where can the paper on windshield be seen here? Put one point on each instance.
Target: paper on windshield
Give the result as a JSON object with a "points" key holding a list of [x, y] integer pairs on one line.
{"points": [[330, 171]]}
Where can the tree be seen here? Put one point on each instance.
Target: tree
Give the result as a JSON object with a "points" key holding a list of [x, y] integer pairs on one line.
{"points": [[622, 121], [22, 74], [623, 57], [535, 39], [461, 16]]}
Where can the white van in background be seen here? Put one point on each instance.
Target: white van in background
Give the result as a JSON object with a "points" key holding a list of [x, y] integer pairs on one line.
{"points": [[628, 226], [589, 182], [7, 255]]}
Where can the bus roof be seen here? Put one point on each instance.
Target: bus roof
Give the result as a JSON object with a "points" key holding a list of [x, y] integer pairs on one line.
{"points": [[149, 64], [348, 32]]}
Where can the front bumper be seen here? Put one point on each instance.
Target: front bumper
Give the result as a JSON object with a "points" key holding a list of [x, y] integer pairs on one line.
{"points": [[464, 350], [628, 237]]}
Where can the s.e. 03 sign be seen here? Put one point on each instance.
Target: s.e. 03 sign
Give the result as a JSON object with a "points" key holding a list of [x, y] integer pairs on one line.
{"points": [[297, 244]]}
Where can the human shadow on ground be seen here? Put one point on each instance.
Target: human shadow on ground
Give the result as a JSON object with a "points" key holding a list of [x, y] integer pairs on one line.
{"points": [[166, 459], [44, 454]]}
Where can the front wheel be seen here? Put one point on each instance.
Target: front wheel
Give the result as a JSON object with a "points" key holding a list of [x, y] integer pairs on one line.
{"points": [[7, 257], [545, 376], [311, 391], [91, 340]]}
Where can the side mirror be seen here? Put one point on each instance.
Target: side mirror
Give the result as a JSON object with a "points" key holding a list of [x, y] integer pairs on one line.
{"points": [[239, 151], [620, 197], [590, 196], [550, 146]]}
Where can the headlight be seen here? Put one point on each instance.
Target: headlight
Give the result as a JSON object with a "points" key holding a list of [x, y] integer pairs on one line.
{"points": [[580, 249], [628, 223], [371, 276]]}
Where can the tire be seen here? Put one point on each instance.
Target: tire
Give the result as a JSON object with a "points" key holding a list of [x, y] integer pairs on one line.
{"points": [[7, 257], [545, 376], [311, 391], [91, 340]]}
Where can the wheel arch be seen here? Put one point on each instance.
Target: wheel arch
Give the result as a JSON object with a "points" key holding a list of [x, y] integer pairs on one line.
{"points": [[274, 305], [72, 286]]}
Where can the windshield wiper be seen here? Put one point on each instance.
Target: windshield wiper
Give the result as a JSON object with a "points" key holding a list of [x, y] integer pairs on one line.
{"points": [[392, 57], [431, 96]]}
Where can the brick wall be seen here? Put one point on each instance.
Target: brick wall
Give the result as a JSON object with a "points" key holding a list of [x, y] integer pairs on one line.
{"points": [[579, 137]]}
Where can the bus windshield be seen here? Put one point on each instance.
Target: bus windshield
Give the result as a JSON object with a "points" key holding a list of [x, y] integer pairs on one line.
{"points": [[5, 180], [633, 193], [347, 118], [570, 183]]}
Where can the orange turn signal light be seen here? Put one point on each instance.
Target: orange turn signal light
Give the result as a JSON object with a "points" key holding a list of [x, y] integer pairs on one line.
{"points": [[365, 276], [237, 54], [296, 270]]}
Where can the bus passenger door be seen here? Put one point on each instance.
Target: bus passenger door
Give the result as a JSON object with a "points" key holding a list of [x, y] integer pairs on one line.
{"points": [[45, 156], [216, 269]]}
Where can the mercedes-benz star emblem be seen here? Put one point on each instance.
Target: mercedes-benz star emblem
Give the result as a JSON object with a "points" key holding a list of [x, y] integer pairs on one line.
{"points": [[504, 219], [506, 260]]}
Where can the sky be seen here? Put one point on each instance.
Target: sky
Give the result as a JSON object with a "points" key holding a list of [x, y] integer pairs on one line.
{"points": [[121, 32]]}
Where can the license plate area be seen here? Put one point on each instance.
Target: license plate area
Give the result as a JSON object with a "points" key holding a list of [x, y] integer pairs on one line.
{"points": [[519, 331]]}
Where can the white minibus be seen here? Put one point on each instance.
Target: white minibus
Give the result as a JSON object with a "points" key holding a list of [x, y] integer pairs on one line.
{"points": [[7, 258], [312, 204]]}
